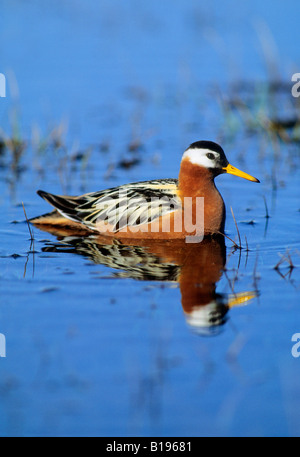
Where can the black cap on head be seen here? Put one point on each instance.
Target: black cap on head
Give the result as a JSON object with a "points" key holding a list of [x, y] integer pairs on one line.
{"points": [[219, 162], [207, 145]]}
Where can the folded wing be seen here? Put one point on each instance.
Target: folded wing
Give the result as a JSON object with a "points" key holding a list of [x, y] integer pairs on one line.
{"points": [[119, 207]]}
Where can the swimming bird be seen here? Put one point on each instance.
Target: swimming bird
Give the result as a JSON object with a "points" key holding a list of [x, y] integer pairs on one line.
{"points": [[159, 209]]}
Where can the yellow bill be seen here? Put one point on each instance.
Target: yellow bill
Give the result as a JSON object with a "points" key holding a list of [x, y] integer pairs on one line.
{"points": [[240, 298], [235, 171]]}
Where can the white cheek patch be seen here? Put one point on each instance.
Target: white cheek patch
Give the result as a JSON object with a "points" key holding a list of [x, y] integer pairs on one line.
{"points": [[198, 157]]}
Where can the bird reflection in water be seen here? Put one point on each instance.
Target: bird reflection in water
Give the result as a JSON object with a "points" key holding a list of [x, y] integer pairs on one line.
{"points": [[197, 268]]}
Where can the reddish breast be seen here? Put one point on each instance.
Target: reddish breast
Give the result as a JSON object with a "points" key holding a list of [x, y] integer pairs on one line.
{"points": [[197, 181]]}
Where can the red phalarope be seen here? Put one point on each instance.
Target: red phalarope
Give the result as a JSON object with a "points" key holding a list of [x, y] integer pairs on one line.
{"points": [[152, 209]]}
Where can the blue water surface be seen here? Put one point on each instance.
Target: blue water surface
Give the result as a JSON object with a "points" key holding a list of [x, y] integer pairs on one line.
{"points": [[92, 350]]}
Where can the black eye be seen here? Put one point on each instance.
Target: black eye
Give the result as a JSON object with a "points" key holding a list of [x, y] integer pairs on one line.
{"points": [[210, 156]]}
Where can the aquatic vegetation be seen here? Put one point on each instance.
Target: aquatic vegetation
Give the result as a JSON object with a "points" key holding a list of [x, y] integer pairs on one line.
{"points": [[163, 340]]}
